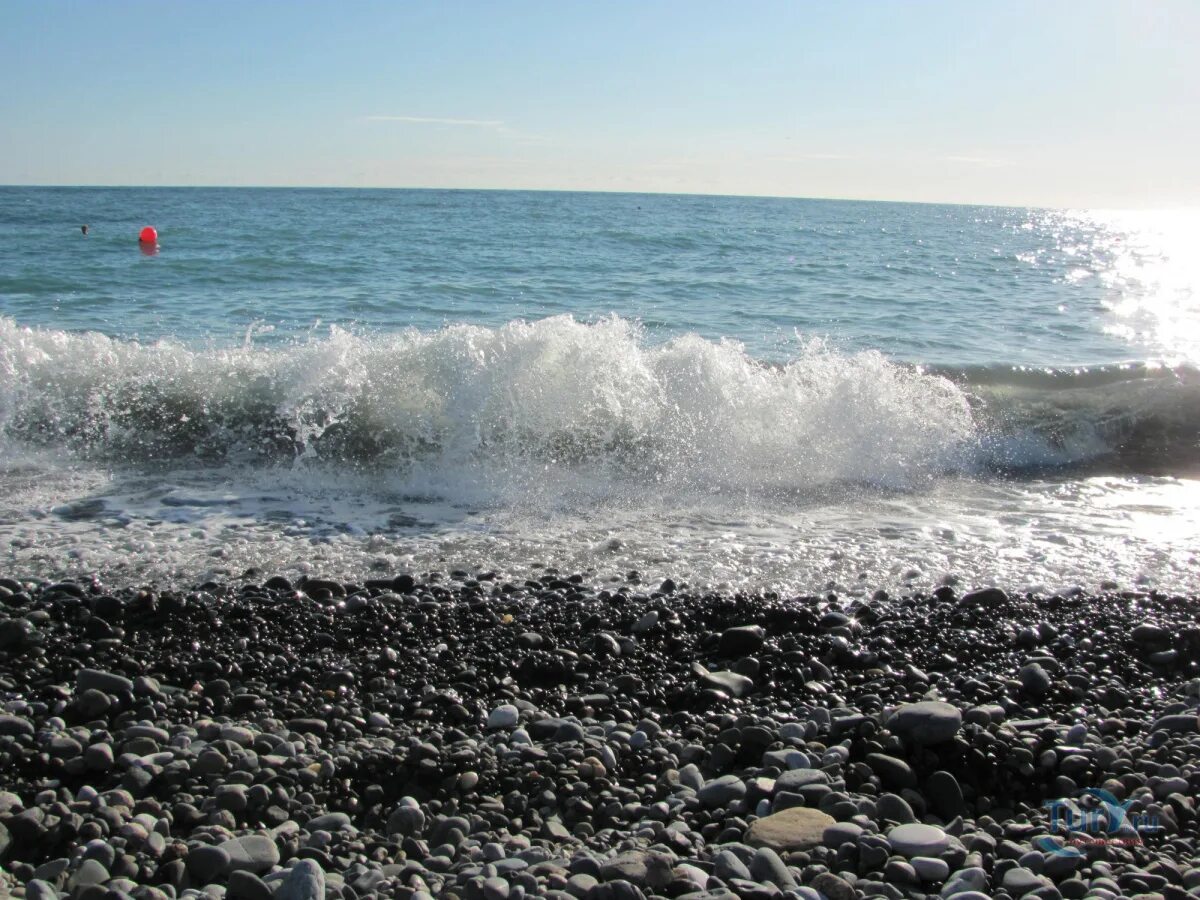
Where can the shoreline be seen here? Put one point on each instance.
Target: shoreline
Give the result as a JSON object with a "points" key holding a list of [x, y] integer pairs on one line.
{"points": [[464, 736]]}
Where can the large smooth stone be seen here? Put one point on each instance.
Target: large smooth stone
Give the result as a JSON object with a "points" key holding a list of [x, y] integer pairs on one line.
{"points": [[798, 828], [207, 864], [731, 683], [927, 722], [795, 779], [945, 796], [255, 853], [915, 839], [107, 682], [1021, 881], [720, 792], [15, 726], [741, 640], [305, 881], [767, 867], [505, 716]]}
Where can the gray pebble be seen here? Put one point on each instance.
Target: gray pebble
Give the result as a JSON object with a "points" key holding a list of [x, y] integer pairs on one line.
{"points": [[305, 881]]}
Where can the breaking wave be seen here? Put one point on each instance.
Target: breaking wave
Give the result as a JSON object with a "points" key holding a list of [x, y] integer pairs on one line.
{"points": [[596, 397]]}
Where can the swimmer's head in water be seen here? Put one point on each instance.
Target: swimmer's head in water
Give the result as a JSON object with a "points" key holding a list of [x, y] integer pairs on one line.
{"points": [[83, 228]]}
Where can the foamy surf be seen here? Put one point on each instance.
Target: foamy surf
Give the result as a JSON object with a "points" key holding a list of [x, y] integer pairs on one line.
{"points": [[199, 524], [590, 446], [555, 392], [595, 398]]}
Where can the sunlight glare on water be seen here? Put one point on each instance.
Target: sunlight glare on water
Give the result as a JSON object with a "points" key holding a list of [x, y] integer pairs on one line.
{"points": [[1151, 282]]}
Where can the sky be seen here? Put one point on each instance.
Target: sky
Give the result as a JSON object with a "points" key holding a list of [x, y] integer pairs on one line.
{"points": [[1094, 103]]}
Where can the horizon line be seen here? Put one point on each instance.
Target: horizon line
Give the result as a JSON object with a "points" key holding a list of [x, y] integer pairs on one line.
{"points": [[615, 192]]}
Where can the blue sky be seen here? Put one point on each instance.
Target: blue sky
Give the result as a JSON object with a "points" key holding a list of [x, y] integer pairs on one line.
{"points": [[1052, 103]]}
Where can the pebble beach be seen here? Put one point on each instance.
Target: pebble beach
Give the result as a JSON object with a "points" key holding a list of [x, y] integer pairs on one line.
{"points": [[578, 451], [459, 735], [873, 530]]}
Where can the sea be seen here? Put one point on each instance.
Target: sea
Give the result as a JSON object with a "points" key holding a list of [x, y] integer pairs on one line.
{"points": [[738, 393]]}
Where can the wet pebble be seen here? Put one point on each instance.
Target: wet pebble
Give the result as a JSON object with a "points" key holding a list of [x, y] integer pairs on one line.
{"points": [[476, 738]]}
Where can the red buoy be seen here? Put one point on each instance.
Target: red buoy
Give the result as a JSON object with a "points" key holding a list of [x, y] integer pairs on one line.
{"points": [[148, 236]]}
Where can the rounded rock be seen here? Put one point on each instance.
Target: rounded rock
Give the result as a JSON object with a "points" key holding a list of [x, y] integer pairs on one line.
{"points": [[720, 792], [798, 828], [305, 881], [916, 839], [926, 722], [207, 863], [504, 716], [930, 868]]}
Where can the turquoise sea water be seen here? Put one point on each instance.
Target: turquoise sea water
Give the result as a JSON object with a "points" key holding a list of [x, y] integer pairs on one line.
{"points": [[922, 283], [750, 391]]}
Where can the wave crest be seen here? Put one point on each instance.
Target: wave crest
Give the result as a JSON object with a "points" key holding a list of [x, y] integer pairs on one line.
{"points": [[555, 392], [529, 397]]}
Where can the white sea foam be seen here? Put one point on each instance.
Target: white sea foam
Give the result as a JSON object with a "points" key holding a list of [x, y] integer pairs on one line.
{"points": [[585, 446], [450, 404]]}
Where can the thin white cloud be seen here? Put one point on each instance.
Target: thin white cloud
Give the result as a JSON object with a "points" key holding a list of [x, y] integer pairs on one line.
{"points": [[990, 161], [983, 161], [809, 157], [430, 120]]}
